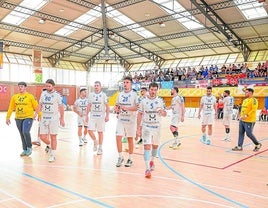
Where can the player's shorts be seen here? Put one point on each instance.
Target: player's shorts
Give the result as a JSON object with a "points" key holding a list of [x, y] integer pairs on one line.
{"points": [[150, 134], [226, 119], [126, 129], [81, 121], [96, 125], [175, 119], [49, 126], [207, 119]]}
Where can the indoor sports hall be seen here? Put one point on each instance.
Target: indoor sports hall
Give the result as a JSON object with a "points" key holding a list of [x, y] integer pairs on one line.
{"points": [[68, 45]]}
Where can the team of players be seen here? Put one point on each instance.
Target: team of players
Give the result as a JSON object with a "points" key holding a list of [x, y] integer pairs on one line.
{"points": [[136, 117]]}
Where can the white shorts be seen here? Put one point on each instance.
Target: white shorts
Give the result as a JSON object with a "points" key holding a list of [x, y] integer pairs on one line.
{"points": [[207, 119], [126, 129], [150, 134], [175, 119], [227, 119], [81, 121], [96, 125], [49, 126]]}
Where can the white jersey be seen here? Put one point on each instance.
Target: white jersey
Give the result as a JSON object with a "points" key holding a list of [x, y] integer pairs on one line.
{"points": [[98, 103], [128, 99], [81, 105], [176, 104], [140, 99], [228, 105], [50, 102], [208, 104], [150, 110]]}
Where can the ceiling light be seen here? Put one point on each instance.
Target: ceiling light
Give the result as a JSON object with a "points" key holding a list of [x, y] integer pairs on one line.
{"points": [[6, 47], [162, 24], [42, 20]]}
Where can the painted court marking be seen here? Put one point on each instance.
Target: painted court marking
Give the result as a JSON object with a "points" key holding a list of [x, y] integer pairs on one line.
{"points": [[195, 183]]}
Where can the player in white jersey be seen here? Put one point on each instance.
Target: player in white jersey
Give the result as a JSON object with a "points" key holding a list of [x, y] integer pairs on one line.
{"points": [[228, 105], [143, 94], [151, 109], [178, 111], [208, 107], [99, 110], [80, 108], [52, 109], [126, 107]]}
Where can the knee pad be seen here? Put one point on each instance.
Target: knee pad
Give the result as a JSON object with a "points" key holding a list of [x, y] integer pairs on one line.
{"points": [[173, 128]]}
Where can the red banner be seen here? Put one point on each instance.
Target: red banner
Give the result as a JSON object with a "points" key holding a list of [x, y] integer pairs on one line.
{"points": [[37, 56]]}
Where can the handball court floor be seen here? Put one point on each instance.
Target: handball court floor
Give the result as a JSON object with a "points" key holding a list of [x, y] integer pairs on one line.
{"points": [[196, 175]]}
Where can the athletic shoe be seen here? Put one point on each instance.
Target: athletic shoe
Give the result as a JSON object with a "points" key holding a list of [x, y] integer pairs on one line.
{"points": [[51, 158], [84, 139], [99, 152], [129, 163], [120, 162], [28, 152], [81, 142], [148, 174], [173, 145], [152, 165], [47, 149], [124, 140], [23, 153], [257, 147], [208, 142], [237, 148], [203, 139], [226, 139], [176, 146], [38, 143], [95, 147]]}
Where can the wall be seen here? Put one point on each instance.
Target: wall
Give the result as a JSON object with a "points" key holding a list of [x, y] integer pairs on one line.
{"points": [[8, 89]]}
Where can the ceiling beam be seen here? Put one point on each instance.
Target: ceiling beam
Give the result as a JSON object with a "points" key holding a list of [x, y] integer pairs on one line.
{"points": [[136, 48], [123, 4], [177, 15], [93, 60], [84, 3], [262, 39], [105, 30], [12, 6], [72, 50], [222, 27]]}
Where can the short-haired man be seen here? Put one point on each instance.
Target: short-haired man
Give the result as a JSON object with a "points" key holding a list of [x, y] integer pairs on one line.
{"points": [[51, 106], [99, 109], [151, 109], [228, 105], [126, 106], [208, 107], [178, 111], [25, 106], [80, 108], [247, 119]]}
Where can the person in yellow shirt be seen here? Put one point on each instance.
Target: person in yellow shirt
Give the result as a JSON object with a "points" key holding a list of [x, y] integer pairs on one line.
{"points": [[25, 106], [247, 121]]}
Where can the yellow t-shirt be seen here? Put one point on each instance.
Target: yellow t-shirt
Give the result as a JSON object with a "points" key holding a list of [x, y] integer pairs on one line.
{"points": [[24, 105], [249, 108]]}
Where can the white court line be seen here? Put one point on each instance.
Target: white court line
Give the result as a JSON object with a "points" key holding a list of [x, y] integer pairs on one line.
{"points": [[67, 203], [169, 197], [17, 199], [159, 177]]}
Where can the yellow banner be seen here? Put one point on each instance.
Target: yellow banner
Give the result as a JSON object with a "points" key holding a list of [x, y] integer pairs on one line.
{"points": [[259, 91]]}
